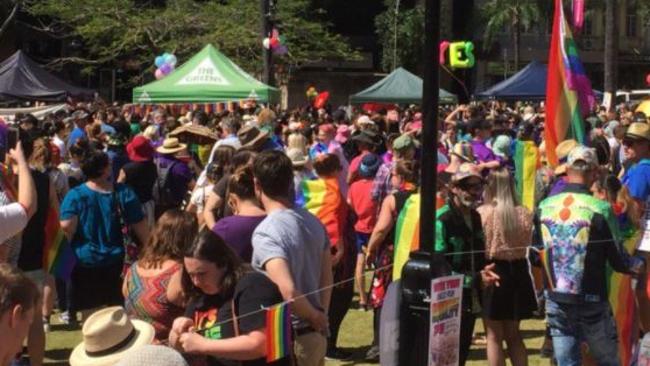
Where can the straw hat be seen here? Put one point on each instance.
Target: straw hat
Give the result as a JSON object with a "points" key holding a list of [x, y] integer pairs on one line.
{"points": [[638, 131], [298, 157], [171, 146], [562, 151], [108, 335], [252, 137], [153, 355]]}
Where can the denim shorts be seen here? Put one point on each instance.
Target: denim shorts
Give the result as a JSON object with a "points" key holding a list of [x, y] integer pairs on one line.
{"points": [[592, 323], [362, 241]]}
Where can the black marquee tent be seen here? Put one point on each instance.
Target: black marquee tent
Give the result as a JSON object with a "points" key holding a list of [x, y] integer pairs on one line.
{"points": [[21, 78]]}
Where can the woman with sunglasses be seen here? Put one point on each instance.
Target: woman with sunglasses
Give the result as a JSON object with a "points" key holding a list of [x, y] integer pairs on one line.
{"points": [[224, 319]]}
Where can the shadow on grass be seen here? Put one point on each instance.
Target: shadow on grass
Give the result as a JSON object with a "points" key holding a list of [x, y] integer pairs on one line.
{"points": [[358, 356], [58, 356]]}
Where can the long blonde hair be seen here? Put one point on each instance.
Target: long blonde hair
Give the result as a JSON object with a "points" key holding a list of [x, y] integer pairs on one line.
{"points": [[500, 193]]}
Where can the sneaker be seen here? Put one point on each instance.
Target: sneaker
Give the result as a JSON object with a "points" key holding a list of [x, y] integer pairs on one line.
{"points": [[46, 324], [373, 354], [337, 354], [64, 317]]}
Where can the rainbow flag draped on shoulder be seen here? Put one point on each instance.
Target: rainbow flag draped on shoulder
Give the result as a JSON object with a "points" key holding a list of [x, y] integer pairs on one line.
{"points": [[526, 163], [407, 234], [568, 90], [278, 332], [58, 257], [323, 198]]}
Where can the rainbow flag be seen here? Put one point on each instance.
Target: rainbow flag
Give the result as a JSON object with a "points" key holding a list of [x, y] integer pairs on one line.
{"points": [[623, 303], [526, 164], [323, 198], [568, 90], [278, 332], [407, 234], [58, 257]]}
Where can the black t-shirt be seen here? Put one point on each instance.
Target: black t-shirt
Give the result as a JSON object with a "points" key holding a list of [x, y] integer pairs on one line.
{"points": [[253, 291], [33, 239], [141, 176]]}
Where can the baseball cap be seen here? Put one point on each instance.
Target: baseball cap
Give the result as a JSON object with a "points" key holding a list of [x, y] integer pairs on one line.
{"points": [[465, 171], [584, 154]]}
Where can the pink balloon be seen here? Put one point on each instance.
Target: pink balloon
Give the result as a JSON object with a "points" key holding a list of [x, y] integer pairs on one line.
{"points": [[443, 49], [275, 42], [647, 79], [159, 74]]}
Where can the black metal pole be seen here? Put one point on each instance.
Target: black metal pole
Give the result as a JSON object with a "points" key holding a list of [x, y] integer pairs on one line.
{"points": [[429, 156], [267, 54]]}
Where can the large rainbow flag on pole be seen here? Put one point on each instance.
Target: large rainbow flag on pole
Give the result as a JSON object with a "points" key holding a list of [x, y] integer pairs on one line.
{"points": [[278, 332], [568, 90], [526, 164], [58, 257]]}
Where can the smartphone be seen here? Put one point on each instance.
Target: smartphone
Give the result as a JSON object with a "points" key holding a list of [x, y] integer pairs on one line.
{"points": [[12, 137]]}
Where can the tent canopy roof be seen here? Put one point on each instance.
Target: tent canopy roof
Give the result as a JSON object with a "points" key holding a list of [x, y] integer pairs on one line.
{"points": [[21, 78], [209, 76], [401, 87], [529, 83]]}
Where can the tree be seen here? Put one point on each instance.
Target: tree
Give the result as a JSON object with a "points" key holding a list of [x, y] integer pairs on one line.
{"points": [[8, 11], [517, 14], [401, 33], [128, 34]]}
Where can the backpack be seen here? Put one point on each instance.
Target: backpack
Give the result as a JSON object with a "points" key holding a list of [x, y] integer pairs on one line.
{"points": [[162, 188]]}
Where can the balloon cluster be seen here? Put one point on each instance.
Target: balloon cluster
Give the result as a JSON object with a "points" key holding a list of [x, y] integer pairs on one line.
{"points": [[165, 64], [311, 93], [276, 43], [461, 54], [318, 100]]}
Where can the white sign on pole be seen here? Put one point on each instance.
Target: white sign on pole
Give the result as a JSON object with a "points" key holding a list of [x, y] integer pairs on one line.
{"points": [[444, 332]]}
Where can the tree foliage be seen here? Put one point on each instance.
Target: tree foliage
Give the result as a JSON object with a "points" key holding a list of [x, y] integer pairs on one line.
{"points": [[128, 34], [408, 24]]}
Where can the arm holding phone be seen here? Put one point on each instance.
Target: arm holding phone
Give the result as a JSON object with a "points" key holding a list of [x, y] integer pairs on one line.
{"points": [[14, 216]]}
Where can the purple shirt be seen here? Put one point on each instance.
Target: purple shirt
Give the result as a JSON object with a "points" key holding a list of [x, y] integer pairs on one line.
{"points": [[482, 153], [181, 175], [237, 232]]}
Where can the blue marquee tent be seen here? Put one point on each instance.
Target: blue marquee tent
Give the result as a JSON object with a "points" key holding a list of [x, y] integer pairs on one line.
{"points": [[528, 84]]}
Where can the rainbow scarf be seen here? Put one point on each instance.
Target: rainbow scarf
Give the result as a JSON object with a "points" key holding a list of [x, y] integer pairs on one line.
{"points": [[278, 332], [407, 234], [58, 257], [623, 302], [568, 90], [526, 164], [323, 198]]}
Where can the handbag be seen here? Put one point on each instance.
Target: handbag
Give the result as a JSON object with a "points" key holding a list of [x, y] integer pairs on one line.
{"points": [[131, 249]]}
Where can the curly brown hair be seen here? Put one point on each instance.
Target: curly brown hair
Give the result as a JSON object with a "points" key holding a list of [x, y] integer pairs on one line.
{"points": [[173, 233]]}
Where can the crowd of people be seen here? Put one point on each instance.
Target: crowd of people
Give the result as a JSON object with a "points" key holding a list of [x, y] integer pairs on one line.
{"points": [[181, 239]]}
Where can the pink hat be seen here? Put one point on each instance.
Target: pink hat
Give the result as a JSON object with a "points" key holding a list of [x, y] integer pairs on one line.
{"points": [[342, 134]]}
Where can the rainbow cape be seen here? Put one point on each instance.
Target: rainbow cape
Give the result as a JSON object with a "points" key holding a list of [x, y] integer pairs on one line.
{"points": [[407, 234], [58, 257], [526, 164], [278, 332], [323, 198], [568, 90], [623, 302]]}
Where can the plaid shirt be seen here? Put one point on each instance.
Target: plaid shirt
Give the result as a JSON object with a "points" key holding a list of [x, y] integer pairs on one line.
{"points": [[381, 186]]}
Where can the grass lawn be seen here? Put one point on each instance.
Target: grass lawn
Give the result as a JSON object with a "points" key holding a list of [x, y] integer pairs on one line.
{"points": [[355, 336]]}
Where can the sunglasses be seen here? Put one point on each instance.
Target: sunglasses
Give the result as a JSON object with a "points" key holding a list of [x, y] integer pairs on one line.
{"points": [[630, 141], [465, 186]]}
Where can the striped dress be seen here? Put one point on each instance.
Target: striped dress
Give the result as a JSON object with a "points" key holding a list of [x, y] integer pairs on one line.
{"points": [[147, 299]]}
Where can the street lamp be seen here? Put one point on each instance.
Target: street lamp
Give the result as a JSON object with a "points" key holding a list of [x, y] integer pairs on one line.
{"points": [[395, 35], [266, 8]]}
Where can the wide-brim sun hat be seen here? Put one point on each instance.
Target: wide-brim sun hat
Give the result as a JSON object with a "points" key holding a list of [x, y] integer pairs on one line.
{"points": [[171, 146], [638, 131], [108, 335], [252, 137]]}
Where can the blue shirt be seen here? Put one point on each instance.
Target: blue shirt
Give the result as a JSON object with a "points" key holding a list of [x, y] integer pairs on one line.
{"points": [[98, 238], [108, 129], [76, 134], [637, 180]]}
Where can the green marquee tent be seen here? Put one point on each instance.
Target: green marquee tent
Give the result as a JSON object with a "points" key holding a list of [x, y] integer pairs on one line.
{"points": [[400, 87], [208, 77]]}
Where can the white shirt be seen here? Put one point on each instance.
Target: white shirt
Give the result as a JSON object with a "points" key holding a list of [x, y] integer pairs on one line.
{"points": [[13, 218], [60, 144]]}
